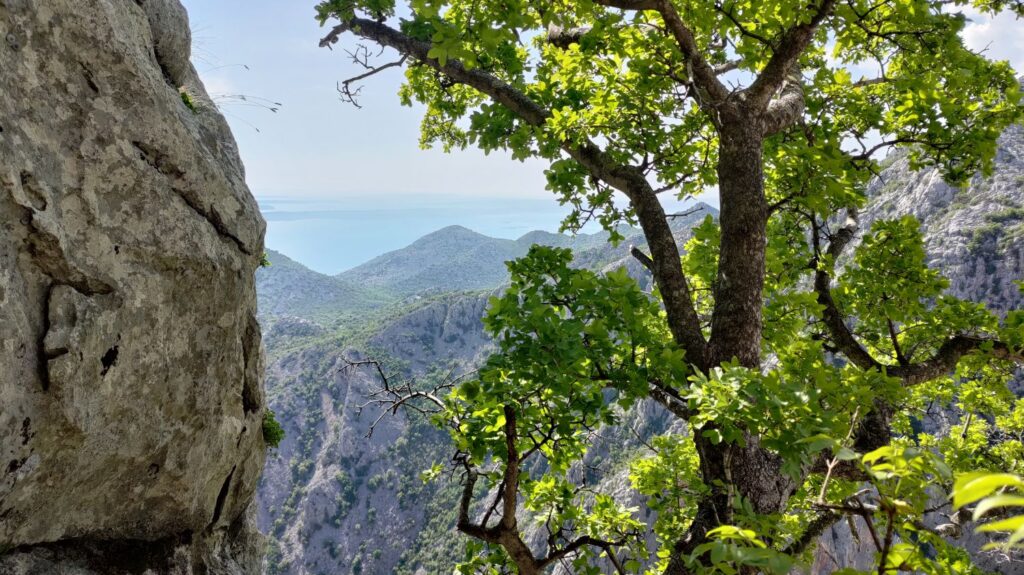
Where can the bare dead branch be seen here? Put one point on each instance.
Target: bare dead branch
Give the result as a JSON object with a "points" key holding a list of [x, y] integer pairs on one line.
{"points": [[345, 89], [394, 393], [686, 213]]}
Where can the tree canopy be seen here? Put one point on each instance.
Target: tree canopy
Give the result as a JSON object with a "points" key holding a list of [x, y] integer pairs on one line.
{"points": [[797, 358]]}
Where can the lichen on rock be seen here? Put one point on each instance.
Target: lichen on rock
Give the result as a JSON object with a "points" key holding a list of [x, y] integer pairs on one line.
{"points": [[131, 392]]}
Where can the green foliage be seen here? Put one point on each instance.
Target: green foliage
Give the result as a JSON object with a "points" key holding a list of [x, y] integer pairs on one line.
{"points": [[566, 336], [273, 558], [845, 346], [995, 494], [948, 100], [273, 433], [576, 348], [890, 282], [1007, 215], [188, 100], [982, 236], [671, 483], [559, 327], [732, 546]]}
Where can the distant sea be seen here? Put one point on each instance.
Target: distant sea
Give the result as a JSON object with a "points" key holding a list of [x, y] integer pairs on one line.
{"points": [[333, 235]]}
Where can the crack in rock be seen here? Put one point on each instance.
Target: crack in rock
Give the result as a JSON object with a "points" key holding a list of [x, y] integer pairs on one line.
{"points": [[159, 162]]}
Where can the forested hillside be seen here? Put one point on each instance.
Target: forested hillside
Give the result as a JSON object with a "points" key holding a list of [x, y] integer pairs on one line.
{"points": [[333, 498]]}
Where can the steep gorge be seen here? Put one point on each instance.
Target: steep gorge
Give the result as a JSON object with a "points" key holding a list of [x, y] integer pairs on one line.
{"points": [[334, 500]]}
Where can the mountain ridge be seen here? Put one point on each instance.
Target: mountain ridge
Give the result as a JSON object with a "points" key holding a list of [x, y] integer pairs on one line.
{"points": [[451, 259]]}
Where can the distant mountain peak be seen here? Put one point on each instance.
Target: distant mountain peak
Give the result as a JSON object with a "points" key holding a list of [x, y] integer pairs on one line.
{"points": [[451, 259], [450, 232], [288, 288], [452, 229]]}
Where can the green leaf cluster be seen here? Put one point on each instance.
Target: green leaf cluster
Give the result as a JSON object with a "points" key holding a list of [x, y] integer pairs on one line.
{"points": [[273, 433]]}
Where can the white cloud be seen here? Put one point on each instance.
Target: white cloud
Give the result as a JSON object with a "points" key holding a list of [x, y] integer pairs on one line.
{"points": [[1000, 38]]}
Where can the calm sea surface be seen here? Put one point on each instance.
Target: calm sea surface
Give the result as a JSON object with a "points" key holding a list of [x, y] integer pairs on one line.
{"points": [[331, 235]]}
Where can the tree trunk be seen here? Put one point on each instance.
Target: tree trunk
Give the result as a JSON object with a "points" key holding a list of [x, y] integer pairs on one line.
{"points": [[750, 472], [736, 324], [731, 470]]}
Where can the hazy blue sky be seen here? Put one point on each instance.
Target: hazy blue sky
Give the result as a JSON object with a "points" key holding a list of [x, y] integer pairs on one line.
{"points": [[356, 161], [317, 145]]}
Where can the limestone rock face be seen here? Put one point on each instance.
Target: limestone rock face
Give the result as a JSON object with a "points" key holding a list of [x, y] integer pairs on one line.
{"points": [[131, 392], [974, 234]]}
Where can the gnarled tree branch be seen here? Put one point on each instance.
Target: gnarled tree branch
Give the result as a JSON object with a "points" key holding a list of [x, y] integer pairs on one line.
{"points": [[506, 531], [942, 362], [565, 37], [670, 399], [832, 317], [949, 354], [787, 52], [703, 75], [630, 4], [644, 259], [682, 317], [785, 110], [825, 519]]}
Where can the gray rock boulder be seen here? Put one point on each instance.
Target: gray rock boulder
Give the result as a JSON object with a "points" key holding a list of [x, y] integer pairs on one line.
{"points": [[131, 393]]}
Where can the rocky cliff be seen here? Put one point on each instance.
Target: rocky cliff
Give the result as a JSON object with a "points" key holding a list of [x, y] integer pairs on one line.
{"points": [[131, 368], [975, 236], [335, 499]]}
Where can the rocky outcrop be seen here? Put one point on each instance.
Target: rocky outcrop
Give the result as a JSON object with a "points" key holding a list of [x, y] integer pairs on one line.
{"points": [[973, 234], [336, 498], [131, 368]]}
